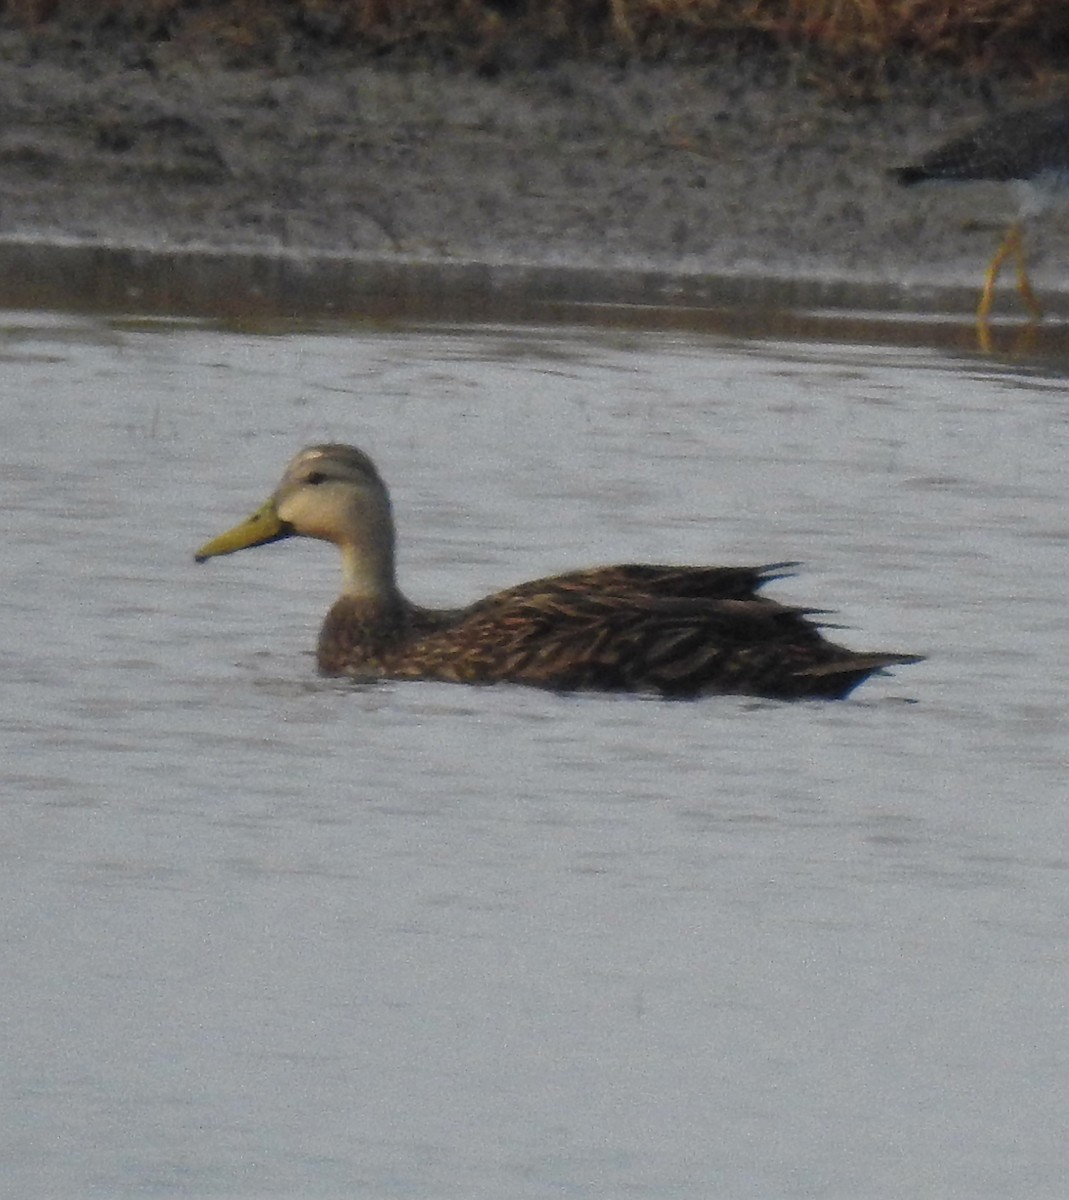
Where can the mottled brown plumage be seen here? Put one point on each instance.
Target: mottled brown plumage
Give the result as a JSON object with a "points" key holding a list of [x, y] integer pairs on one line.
{"points": [[668, 630]]}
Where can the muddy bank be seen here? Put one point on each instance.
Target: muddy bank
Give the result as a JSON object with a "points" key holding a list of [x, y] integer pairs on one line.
{"points": [[728, 168]]}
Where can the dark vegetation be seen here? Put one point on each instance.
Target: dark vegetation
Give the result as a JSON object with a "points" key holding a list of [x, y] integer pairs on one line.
{"points": [[842, 39]]}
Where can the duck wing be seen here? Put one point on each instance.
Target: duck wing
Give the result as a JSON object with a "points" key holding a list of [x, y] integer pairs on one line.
{"points": [[673, 631]]}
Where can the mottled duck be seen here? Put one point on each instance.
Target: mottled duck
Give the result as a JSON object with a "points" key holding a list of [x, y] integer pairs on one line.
{"points": [[670, 630]]}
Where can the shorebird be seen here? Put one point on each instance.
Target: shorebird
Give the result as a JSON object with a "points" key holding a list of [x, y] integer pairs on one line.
{"points": [[1029, 149]]}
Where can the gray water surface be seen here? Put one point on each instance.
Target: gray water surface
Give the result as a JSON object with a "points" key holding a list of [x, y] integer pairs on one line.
{"points": [[270, 935]]}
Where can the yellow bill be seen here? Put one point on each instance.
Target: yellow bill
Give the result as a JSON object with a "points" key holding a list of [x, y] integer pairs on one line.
{"points": [[263, 526]]}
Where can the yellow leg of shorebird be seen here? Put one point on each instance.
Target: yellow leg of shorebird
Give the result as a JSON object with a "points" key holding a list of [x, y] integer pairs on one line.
{"points": [[1011, 245], [1024, 286], [987, 296]]}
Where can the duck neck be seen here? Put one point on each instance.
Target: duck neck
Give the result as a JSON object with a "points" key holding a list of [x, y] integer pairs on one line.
{"points": [[368, 574]]}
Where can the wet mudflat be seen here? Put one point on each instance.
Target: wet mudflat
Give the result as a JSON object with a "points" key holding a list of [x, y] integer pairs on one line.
{"points": [[272, 935]]}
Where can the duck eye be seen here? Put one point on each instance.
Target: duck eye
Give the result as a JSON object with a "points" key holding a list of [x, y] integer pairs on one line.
{"points": [[315, 477]]}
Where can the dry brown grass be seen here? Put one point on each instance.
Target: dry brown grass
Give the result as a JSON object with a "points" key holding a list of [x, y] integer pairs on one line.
{"points": [[860, 36]]}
